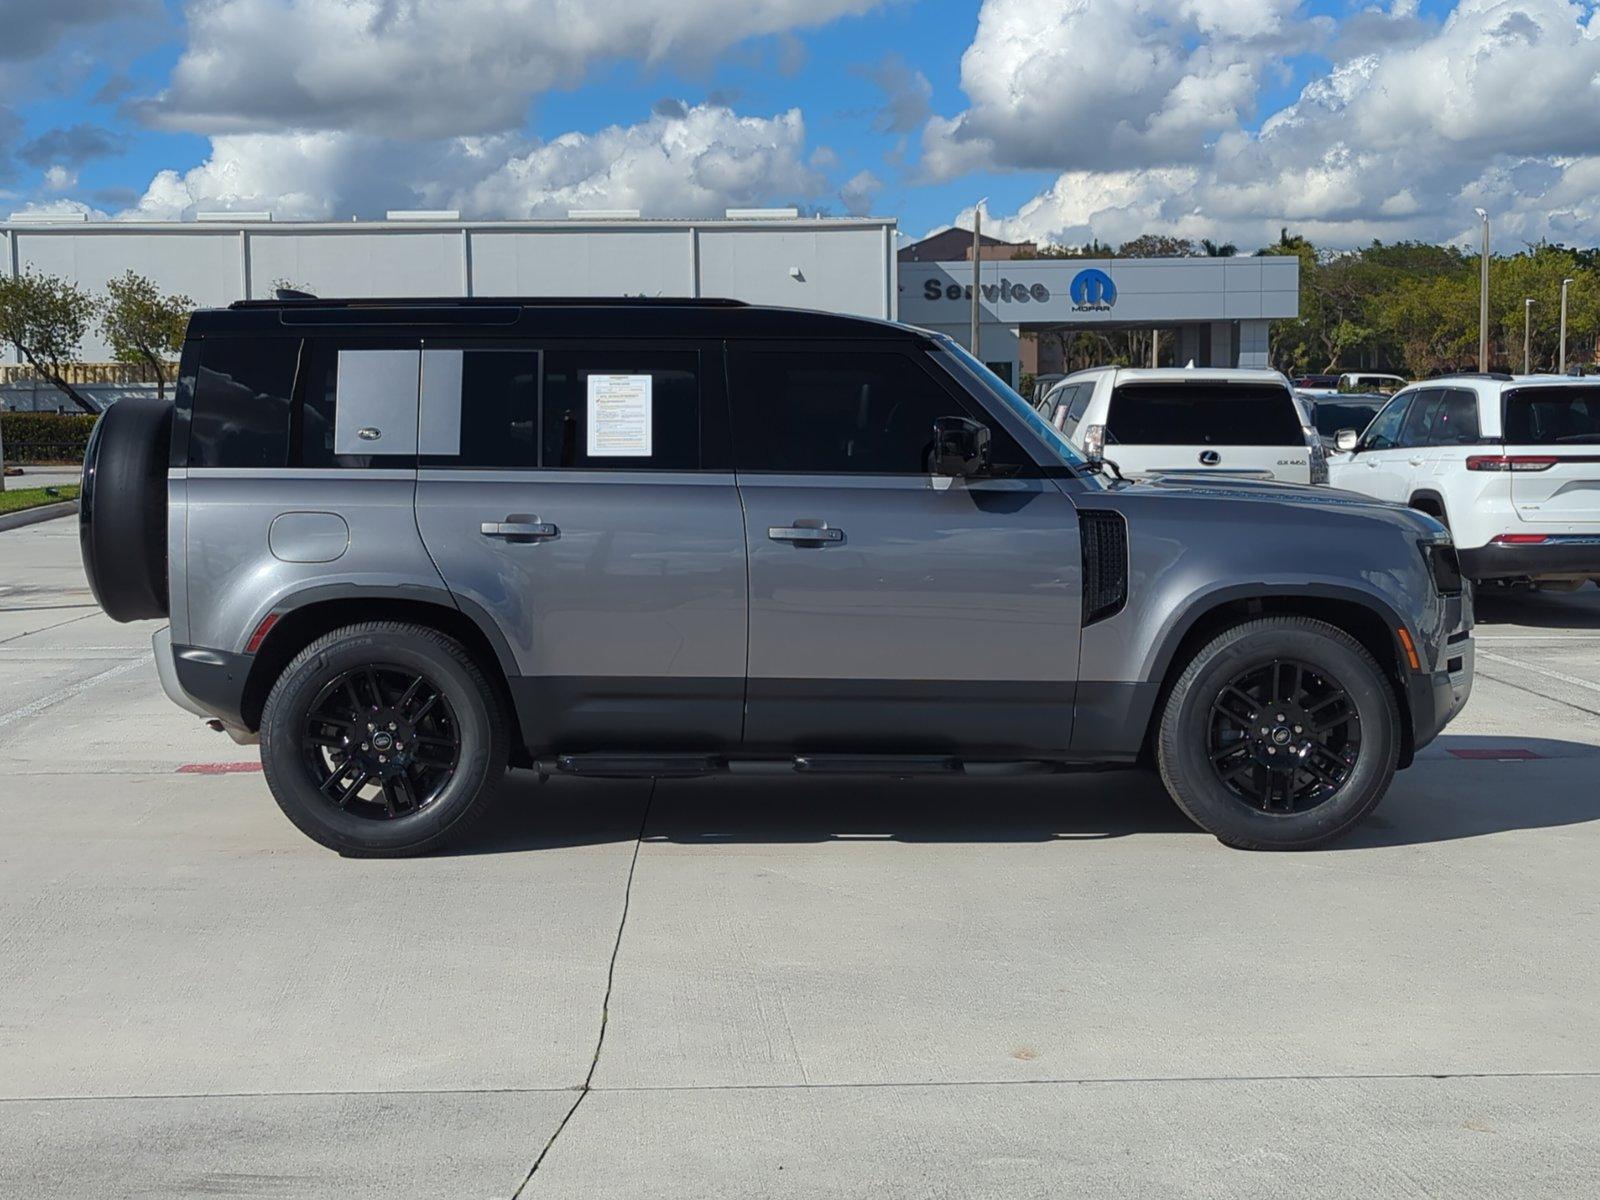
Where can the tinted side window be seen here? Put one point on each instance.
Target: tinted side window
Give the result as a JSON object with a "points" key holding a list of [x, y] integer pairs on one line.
{"points": [[499, 407], [621, 410], [1204, 414], [1384, 432], [1456, 423], [1079, 404], [317, 412], [1552, 415], [517, 406], [1418, 427], [863, 412], [241, 402]]}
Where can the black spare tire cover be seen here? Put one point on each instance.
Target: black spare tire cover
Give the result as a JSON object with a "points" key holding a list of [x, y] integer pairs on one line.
{"points": [[122, 509]]}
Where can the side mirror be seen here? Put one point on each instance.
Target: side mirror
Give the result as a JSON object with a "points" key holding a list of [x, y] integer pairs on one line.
{"points": [[960, 447], [1346, 440]]}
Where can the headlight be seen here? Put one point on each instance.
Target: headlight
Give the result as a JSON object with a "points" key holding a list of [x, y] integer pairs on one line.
{"points": [[1443, 565]]}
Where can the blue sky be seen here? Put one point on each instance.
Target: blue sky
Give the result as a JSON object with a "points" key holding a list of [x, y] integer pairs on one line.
{"points": [[1073, 118]]}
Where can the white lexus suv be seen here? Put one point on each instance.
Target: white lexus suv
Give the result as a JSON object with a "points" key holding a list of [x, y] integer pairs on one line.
{"points": [[1188, 420], [1510, 463]]}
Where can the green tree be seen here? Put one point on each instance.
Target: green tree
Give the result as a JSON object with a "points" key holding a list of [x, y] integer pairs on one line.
{"points": [[144, 325], [45, 318], [1156, 245]]}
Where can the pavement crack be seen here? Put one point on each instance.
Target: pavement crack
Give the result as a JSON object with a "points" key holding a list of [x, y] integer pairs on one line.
{"points": [[605, 1004]]}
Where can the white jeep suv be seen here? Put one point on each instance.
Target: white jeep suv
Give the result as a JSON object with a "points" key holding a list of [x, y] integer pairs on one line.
{"points": [[1510, 463], [1229, 421]]}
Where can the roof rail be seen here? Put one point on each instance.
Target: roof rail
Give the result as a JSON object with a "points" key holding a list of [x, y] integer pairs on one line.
{"points": [[1502, 376], [288, 297]]}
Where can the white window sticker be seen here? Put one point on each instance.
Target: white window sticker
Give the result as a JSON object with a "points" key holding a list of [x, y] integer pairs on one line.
{"points": [[620, 416]]}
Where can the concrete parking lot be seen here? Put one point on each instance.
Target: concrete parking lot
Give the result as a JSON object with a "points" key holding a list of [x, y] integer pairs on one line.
{"points": [[795, 988]]}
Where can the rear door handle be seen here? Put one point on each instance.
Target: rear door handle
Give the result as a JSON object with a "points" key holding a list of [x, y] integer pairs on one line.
{"points": [[792, 533], [531, 530]]}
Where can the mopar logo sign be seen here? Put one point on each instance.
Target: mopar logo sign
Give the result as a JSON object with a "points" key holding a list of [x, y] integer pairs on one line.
{"points": [[1092, 291]]}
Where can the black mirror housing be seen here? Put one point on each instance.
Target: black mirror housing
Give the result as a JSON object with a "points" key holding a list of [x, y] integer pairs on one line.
{"points": [[960, 448]]}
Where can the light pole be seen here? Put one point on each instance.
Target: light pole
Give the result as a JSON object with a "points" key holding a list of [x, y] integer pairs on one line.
{"points": [[1561, 359], [977, 257], [1527, 328], [1483, 296]]}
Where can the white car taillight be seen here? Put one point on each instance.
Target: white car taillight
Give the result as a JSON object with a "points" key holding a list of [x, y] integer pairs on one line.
{"points": [[1510, 462], [1094, 441]]}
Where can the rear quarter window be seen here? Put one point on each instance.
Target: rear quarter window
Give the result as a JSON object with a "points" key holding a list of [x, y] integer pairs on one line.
{"points": [[1552, 416], [242, 400], [1203, 414]]}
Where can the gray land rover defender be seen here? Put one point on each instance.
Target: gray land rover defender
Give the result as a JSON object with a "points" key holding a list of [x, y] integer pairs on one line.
{"points": [[406, 544]]}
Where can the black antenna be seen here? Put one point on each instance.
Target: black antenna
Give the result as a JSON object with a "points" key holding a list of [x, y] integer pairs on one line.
{"points": [[291, 294]]}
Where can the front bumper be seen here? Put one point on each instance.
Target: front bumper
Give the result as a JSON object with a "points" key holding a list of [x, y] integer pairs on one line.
{"points": [[208, 683], [1437, 696], [1564, 556]]}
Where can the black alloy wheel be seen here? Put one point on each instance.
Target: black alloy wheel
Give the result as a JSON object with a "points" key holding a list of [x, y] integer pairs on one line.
{"points": [[381, 742], [384, 738], [1280, 733], [1285, 737]]}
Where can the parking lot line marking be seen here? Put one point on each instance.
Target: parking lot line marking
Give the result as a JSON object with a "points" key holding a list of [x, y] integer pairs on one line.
{"points": [[1540, 637], [67, 693], [1562, 676], [231, 768]]}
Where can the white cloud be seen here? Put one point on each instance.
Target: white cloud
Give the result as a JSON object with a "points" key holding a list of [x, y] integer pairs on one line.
{"points": [[1107, 83], [860, 192], [60, 179], [1498, 105], [59, 208], [437, 68], [694, 164]]}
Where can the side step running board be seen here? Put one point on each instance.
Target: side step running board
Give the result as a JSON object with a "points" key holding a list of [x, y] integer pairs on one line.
{"points": [[689, 766]]}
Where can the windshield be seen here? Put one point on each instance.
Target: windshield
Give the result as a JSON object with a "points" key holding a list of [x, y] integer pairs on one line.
{"points": [[996, 389], [1330, 416], [1550, 416]]}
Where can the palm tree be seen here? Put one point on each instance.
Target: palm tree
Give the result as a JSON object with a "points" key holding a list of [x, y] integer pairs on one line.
{"points": [[1218, 249]]}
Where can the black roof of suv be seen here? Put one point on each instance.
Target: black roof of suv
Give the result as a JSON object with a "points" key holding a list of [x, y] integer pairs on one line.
{"points": [[574, 316]]}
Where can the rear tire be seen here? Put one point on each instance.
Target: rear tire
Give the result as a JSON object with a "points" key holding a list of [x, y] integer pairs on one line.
{"points": [[376, 687], [1259, 695]]}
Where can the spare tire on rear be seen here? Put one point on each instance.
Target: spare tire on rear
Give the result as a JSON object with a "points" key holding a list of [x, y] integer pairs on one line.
{"points": [[122, 509]]}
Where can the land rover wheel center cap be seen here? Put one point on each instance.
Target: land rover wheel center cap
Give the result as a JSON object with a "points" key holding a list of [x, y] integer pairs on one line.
{"points": [[382, 741], [1283, 736]]}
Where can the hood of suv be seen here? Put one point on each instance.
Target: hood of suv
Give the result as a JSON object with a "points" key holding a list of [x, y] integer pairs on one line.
{"points": [[1190, 488]]}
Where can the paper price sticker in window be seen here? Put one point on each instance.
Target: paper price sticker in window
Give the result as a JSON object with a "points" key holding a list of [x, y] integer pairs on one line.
{"points": [[620, 416]]}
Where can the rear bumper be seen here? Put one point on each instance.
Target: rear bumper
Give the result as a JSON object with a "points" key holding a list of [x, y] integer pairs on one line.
{"points": [[208, 683], [1563, 555]]}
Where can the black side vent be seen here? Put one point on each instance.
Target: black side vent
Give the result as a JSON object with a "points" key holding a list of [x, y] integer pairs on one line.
{"points": [[1105, 564]]}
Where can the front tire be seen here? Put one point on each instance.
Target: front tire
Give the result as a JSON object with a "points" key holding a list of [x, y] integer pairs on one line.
{"points": [[383, 739], [1281, 734]]}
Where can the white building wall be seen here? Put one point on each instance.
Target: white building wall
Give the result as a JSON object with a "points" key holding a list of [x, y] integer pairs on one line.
{"points": [[652, 262], [844, 265], [848, 271], [1255, 343]]}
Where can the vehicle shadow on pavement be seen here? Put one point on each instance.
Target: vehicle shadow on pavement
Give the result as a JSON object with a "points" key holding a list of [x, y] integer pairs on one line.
{"points": [[1072, 807], [1441, 798], [1539, 610], [1452, 793]]}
